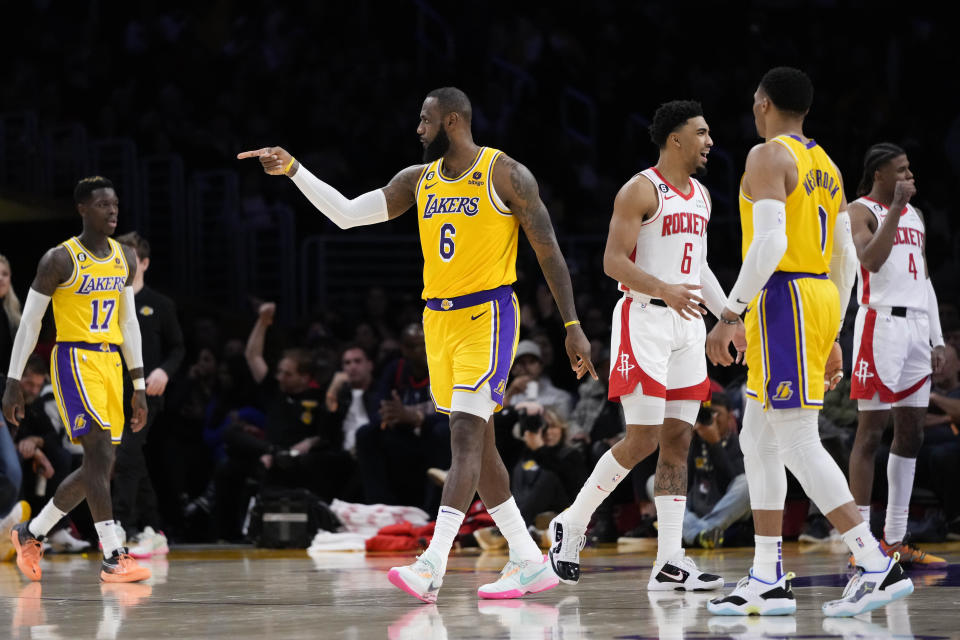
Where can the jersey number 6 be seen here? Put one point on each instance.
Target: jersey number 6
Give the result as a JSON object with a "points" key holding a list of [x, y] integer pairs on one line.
{"points": [[447, 233]]}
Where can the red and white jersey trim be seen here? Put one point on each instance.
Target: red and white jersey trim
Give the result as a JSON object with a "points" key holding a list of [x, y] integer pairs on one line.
{"points": [[900, 280], [671, 243]]}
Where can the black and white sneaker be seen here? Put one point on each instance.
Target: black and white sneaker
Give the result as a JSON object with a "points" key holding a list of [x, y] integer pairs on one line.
{"points": [[566, 541], [869, 590], [756, 597], [680, 573]]}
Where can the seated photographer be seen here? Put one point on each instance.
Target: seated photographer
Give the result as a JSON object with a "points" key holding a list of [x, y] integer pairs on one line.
{"points": [[717, 494], [548, 473]]}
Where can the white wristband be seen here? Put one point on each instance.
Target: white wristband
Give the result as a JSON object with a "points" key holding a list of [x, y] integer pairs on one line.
{"points": [[139, 384]]}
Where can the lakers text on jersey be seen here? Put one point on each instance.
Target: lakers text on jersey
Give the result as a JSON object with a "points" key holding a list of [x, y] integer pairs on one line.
{"points": [[85, 368], [793, 321], [469, 241], [467, 234]]}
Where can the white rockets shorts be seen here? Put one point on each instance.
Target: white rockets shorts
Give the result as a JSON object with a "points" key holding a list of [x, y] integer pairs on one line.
{"points": [[655, 357], [891, 360]]}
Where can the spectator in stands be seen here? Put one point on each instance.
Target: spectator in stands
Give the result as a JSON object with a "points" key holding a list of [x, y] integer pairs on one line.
{"points": [[350, 397], [134, 500], [9, 318], [407, 436], [530, 384], [717, 494], [939, 459], [280, 452], [11, 475]]}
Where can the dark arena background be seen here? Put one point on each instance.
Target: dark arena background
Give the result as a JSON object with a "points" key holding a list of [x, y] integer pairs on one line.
{"points": [[270, 538]]}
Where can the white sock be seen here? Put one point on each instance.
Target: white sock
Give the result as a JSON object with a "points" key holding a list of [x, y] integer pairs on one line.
{"points": [[900, 473], [768, 557], [109, 533], [669, 526], [45, 520], [512, 527], [864, 512], [444, 533], [865, 548], [605, 477]]}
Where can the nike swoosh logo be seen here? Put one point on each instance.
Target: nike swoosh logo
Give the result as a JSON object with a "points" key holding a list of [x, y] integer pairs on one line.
{"points": [[670, 196], [526, 581], [86, 266], [477, 316], [679, 577], [427, 187], [739, 301]]}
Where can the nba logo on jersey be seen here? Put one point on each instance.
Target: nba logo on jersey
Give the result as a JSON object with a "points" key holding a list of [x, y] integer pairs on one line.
{"points": [[784, 390]]}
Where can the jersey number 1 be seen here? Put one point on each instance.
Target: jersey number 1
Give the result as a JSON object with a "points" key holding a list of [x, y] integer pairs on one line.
{"points": [[107, 311]]}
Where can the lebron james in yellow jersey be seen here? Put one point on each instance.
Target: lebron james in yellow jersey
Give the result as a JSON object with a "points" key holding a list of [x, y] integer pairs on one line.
{"points": [[87, 277], [471, 202], [798, 263]]}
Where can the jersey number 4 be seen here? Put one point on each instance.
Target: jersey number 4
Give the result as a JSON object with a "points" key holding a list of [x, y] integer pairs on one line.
{"points": [[447, 233], [912, 267], [102, 308]]}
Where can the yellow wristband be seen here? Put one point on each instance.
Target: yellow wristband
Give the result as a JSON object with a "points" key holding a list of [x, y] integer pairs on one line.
{"points": [[570, 324], [289, 164]]}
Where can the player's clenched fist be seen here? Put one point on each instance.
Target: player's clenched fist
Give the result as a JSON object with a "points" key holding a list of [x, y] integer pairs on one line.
{"points": [[275, 160]]}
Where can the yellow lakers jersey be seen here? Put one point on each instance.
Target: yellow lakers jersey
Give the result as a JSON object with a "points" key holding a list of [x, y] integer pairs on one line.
{"points": [[812, 209], [85, 307], [467, 234]]}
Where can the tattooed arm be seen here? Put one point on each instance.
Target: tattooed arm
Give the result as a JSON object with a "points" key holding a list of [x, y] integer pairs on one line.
{"points": [[517, 186]]}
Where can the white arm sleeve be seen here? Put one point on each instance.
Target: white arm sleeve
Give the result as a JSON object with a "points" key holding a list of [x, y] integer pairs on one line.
{"points": [[712, 292], [132, 346], [26, 339], [933, 311], [843, 262], [369, 208], [766, 249]]}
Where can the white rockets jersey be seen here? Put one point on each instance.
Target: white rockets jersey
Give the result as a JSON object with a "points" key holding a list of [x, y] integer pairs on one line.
{"points": [[901, 281], [671, 243]]}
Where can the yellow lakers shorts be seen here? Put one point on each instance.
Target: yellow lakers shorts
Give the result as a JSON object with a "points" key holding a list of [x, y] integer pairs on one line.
{"points": [[791, 326], [88, 385], [471, 340]]}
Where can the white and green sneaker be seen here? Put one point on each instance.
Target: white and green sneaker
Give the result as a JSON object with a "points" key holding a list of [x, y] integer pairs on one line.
{"points": [[149, 543], [422, 579], [520, 577]]}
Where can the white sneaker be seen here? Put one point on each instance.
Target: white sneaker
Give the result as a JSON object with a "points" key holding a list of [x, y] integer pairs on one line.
{"points": [[755, 597], [869, 590], [149, 543], [566, 542], [62, 541], [19, 513], [519, 577], [422, 579], [680, 573]]}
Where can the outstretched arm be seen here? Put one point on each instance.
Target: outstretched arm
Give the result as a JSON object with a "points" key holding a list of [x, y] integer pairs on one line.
{"points": [[254, 350], [370, 208], [517, 186]]}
